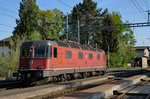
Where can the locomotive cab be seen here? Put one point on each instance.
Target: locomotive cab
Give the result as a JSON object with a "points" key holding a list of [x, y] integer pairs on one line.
{"points": [[34, 58]]}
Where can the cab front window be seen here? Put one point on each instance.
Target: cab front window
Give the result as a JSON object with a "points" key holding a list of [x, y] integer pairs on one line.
{"points": [[39, 51], [25, 52], [42, 51]]}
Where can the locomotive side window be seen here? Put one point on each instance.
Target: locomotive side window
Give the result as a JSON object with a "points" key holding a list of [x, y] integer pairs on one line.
{"points": [[39, 51], [80, 55], [90, 56], [68, 54], [55, 52], [48, 51], [25, 52], [98, 56]]}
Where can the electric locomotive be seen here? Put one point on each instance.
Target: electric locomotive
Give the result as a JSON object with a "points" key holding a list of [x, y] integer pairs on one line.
{"points": [[57, 60]]}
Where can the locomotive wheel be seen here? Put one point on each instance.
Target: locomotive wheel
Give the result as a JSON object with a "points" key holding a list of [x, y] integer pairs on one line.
{"points": [[68, 77], [85, 75], [63, 78], [94, 73], [97, 73], [75, 76], [80, 75], [101, 73], [54, 79], [88, 75]]}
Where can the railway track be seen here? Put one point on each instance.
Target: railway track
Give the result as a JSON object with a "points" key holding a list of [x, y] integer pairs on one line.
{"points": [[66, 85], [140, 90], [10, 84], [56, 89], [74, 89], [103, 90]]}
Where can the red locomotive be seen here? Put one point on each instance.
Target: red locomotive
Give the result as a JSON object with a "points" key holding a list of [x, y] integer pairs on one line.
{"points": [[57, 60]]}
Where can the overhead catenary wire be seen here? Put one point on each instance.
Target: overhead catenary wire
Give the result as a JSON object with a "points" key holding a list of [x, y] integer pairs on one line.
{"points": [[44, 4], [139, 9], [74, 1], [16, 1], [64, 3], [6, 25], [10, 32], [8, 10], [8, 15], [146, 4]]}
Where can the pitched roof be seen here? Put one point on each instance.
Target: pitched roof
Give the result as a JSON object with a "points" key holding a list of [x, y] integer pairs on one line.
{"points": [[141, 47], [5, 42], [6, 39]]}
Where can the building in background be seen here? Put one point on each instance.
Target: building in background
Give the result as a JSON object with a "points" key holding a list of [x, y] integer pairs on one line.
{"points": [[4, 46], [142, 57]]}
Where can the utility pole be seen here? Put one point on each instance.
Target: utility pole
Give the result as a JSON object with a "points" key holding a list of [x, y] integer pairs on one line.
{"points": [[96, 45], [67, 27], [130, 53], [108, 57], [148, 12], [78, 32]]}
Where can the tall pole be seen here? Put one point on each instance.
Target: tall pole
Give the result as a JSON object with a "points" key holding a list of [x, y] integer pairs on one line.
{"points": [[96, 45], [148, 15], [108, 57], [148, 12], [130, 53], [67, 27], [78, 32]]}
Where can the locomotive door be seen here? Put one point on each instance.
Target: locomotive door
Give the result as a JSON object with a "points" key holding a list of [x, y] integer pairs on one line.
{"points": [[60, 55], [86, 56]]}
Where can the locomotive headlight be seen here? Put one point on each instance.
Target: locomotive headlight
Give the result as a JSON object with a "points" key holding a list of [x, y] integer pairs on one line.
{"points": [[41, 67], [21, 67], [30, 62]]}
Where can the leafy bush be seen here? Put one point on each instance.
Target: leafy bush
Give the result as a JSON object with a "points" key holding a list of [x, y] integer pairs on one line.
{"points": [[9, 63]]}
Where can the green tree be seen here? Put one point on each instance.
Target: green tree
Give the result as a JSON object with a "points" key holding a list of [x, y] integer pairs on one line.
{"points": [[35, 36], [28, 22], [88, 14], [120, 40], [108, 36], [51, 23]]}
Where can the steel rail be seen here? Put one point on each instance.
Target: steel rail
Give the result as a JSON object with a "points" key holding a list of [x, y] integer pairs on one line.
{"points": [[124, 94]]}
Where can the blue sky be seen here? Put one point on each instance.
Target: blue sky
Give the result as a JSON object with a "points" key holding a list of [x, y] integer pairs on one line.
{"points": [[9, 13]]}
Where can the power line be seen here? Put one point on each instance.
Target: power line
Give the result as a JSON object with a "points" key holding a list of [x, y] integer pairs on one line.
{"points": [[8, 10], [6, 25], [140, 6], [64, 3], [138, 9], [44, 4], [8, 15], [146, 3], [74, 1], [6, 31], [16, 1]]}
